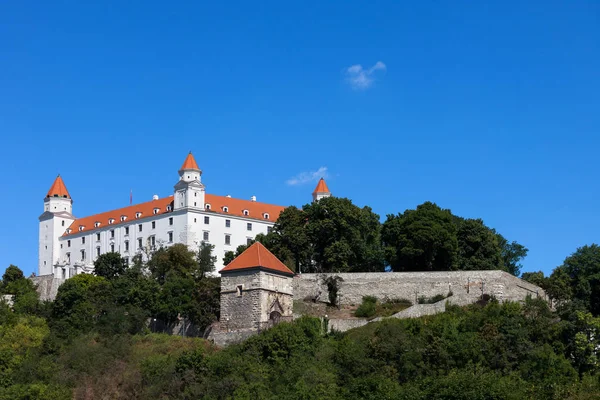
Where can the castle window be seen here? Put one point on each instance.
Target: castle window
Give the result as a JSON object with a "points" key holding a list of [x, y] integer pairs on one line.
{"points": [[97, 224], [225, 209], [227, 239], [171, 221], [238, 290], [249, 226], [269, 229], [97, 251], [248, 241], [68, 258], [170, 237], [246, 212], [139, 243], [140, 227], [81, 228], [194, 219], [127, 245], [266, 215], [63, 223], [195, 194], [205, 236], [138, 214], [112, 248], [126, 230], [207, 206], [112, 233], [156, 210], [153, 224], [68, 230], [123, 218], [83, 240], [153, 241], [227, 223], [168, 208], [61, 246], [44, 262], [98, 236], [82, 255], [207, 220], [194, 204], [111, 221], [68, 243]]}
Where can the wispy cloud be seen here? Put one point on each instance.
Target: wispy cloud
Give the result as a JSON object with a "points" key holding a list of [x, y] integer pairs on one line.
{"points": [[362, 78], [308, 177]]}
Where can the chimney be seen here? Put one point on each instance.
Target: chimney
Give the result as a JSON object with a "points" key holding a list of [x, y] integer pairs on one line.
{"points": [[253, 198], [155, 197]]}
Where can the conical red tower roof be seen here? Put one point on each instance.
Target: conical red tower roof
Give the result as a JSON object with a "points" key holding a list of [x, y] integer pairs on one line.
{"points": [[58, 189], [190, 162], [257, 256], [321, 187]]}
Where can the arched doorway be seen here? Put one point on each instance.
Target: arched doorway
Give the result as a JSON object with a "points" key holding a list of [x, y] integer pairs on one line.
{"points": [[275, 317]]}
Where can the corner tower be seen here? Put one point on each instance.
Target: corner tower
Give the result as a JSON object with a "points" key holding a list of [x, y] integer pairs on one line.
{"points": [[256, 291], [56, 218], [321, 191], [189, 191]]}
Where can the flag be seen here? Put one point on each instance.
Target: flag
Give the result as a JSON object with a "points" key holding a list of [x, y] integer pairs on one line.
{"points": [[131, 197]]}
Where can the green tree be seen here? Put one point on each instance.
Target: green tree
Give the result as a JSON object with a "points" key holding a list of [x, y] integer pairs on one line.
{"points": [[12, 274], [176, 259], [579, 277], [206, 261], [421, 240], [537, 278], [478, 248], [512, 254], [231, 255], [110, 265]]}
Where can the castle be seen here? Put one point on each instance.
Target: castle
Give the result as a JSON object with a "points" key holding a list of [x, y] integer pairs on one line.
{"points": [[69, 245]]}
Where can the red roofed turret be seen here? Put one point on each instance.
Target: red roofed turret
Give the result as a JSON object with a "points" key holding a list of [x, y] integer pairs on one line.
{"points": [[58, 189], [321, 190], [190, 163], [257, 256]]}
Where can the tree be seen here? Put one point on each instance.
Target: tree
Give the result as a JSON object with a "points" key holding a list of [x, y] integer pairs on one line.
{"points": [[536, 278], [231, 255], [110, 265], [579, 276], [176, 259], [478, 247], [12, 274], [421, 240], [512, 254], [206, 261]]}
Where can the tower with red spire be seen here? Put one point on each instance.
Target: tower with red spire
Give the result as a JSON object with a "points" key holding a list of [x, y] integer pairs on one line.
{"points": [[56, 218], [321, 191], [189, 191]]}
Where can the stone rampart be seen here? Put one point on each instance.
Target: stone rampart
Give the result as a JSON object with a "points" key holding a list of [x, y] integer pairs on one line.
{"points": [[47, 286], [468, 285]]}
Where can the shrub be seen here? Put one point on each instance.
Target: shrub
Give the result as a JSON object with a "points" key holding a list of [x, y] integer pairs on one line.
{"points": [[368, 308]]}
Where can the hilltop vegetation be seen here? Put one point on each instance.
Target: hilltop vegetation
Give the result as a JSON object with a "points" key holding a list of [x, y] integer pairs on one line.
{"points": [[93, 342]]}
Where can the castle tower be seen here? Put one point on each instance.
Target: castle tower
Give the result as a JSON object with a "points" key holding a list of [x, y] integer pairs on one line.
{"points": [[256, 290], [56, 218], [321, 191], [189, 191]]}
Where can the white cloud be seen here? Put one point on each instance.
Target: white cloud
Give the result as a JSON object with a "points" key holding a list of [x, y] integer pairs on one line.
{"points": [[360, 78], [308, 177]]}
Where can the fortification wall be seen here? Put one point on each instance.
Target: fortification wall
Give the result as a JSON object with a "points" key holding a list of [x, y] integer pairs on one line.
{"points": [[47, 286], [468, 285]]}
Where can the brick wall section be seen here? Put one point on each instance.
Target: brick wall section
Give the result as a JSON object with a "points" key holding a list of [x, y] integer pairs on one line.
{"points": [[411, 285]]}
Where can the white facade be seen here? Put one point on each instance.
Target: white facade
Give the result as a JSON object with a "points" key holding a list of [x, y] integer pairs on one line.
{"points": [[69, 245]]}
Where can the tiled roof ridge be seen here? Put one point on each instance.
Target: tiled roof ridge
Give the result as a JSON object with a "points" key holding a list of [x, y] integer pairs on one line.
{"points": [[58, 189], [190, 162], [257, 256], [321, 187]]}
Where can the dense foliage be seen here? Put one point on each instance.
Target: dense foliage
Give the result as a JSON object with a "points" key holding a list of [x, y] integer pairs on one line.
{"points": [[334, 235]]}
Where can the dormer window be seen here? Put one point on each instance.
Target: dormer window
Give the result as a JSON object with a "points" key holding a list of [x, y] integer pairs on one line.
{"points": [[97, 224], [266, 215], [207, 206], [156, 210], [246, 212], [68, 230], [168, 208], [111, 221], [138, 214], [81, 227], [123, 218], [225, 209]]}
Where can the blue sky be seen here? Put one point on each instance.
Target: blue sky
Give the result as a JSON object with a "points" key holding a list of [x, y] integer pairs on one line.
{"points": [[491, 110]]}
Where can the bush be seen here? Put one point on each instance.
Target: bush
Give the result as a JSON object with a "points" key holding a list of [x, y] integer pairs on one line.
{"points": [[433, 299], [368, 308]]}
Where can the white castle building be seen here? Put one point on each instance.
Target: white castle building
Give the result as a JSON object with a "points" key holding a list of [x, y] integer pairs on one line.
{"points": [[69, 245]]}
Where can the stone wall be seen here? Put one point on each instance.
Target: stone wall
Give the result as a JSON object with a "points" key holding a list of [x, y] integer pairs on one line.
{"points": [[468, 285], [47, 286]]}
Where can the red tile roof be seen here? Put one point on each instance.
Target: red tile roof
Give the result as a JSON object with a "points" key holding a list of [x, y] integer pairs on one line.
{"points": [[321, 187], [58, 189], [257, 256], [190, 162], [234, 207]]}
